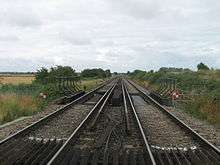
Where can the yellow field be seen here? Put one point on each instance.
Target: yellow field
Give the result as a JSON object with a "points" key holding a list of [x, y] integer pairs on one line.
{"points": [[16, 79]]}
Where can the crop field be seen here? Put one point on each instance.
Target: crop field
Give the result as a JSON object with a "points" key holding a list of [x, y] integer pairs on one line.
{"points": [[17, 79]]}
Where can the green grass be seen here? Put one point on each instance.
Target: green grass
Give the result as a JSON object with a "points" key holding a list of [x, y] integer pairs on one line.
{"points": [[13, 106], [23, 99], [204, 108], [88, 84], [20, 100], [201, 87]]}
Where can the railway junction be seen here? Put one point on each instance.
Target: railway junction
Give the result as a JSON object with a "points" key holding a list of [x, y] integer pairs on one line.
{"points": [[118, 123]]}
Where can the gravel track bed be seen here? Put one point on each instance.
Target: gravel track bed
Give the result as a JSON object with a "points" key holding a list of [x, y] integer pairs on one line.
{"points": [[111, 124], [160, 129], [119, 139], [139, 86], [16, 126], [94, 99], [131, 89], [134, 139], [20, 124], [210, 132], [95, 137], [107, 86], [97, 95], [63, 125]]}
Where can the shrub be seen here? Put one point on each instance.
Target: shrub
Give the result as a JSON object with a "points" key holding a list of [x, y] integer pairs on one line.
{"points": [[202, 66], [49, 76], [98, 73]]}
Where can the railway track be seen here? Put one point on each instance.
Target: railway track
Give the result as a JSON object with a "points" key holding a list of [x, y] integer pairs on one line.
{"points": [[118, 123], [38, 142], [110, 134], [185, 146]]}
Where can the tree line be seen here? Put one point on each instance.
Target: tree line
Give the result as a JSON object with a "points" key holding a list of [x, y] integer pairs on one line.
{"points": [[204, 78], [50, 75]]}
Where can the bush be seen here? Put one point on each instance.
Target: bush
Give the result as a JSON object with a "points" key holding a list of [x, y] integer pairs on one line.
{"points": [[202, 66], [98, 73], [138, 74], [49, 76]]}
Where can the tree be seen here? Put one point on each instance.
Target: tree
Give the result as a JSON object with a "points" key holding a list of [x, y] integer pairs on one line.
{"points": [[44, 75], [41, 75], [62, 71], [108, 73], [202, 66], [99, 73]]}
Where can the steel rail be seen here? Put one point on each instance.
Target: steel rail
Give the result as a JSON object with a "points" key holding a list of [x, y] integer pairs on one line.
{"points": [[128, 127], [102, 107], [177, 120], [61, 152], [50, 116], [147, 146]]}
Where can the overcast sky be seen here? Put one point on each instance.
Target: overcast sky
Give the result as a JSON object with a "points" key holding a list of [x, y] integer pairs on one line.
{"points": [[117, 34]]}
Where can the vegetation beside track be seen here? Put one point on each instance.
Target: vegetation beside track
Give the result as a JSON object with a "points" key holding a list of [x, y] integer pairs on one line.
{"points": [[201, 87], [90, 83], [20, 100], [13, 106], [21, 97]]}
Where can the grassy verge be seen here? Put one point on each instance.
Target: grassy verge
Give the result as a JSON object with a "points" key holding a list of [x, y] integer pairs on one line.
{"points": [[88, 84], [201, 88], [23, 99], [13, 106], [204, 108], [20, 100]]}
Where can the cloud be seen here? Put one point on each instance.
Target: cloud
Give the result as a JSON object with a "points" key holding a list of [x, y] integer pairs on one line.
{"points": [[8, 38], [119, 35], [76, 39], [18, 14], [12, 64], [137, 8]]}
